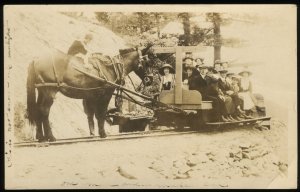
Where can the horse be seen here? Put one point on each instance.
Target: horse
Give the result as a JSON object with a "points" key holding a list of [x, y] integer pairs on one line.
{"points": [[58, 72]]}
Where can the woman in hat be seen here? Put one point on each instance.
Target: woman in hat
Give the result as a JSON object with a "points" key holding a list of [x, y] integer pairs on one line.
{"points": [[167, 77], [245, 92]]}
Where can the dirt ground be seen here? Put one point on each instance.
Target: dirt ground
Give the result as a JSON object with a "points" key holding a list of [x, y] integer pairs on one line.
{"points": [[233, 158]]}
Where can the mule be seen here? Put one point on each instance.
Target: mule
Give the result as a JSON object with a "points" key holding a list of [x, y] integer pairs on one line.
{"points": [[56, 72]]}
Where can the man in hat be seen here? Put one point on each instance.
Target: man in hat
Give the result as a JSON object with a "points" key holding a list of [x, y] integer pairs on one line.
{"points": [[188, 76], [218, 65], [232, 90], [223, 85], [199, 61], [199, 82], [219, 101], [188, 65]]}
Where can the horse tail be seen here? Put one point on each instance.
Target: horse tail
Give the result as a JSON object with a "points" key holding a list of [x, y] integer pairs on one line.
{"points": [[31, 97]]}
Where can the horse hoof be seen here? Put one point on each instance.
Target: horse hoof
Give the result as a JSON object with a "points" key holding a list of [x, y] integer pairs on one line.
{"points": [[103, 135], [42, 139], [51, 139]]}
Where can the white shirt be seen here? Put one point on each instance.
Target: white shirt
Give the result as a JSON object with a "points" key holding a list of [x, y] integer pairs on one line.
{"points": [[203, 76], [245, 82], [168, 78]]}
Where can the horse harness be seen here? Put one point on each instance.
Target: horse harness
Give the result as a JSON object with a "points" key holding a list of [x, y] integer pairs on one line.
{"points": [[118, 67]]}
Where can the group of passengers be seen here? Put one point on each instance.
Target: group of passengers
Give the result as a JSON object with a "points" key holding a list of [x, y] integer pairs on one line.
{"points": [[231, 94]]}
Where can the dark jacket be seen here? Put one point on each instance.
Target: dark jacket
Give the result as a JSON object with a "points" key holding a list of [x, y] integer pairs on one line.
{"points": [[198, 83], [224, 86], [195, 72], [77, 47]]}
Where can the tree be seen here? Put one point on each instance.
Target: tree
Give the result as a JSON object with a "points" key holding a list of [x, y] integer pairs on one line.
{"points": [[186, 38], [216, 19], [102, 17]]}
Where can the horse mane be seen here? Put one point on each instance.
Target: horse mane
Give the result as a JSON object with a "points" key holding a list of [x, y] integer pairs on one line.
{"points": [[125, 51]]}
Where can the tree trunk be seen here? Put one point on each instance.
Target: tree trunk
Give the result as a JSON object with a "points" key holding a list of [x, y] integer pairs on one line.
{"points": [[186, 28], [217, 37], [157, 24]]}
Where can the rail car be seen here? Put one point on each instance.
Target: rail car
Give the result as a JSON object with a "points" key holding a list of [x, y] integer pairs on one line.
{"points": [[191, 110]]}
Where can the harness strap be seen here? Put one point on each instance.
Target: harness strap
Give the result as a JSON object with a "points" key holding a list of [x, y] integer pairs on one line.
{"points": [[100, 72], [116, 71], [54, 69]]}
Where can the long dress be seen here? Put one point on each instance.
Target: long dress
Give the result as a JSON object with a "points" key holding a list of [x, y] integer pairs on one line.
{"points": [[246, 94]]}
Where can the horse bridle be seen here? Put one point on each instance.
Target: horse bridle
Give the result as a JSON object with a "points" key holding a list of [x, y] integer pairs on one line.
{"points": [[141, 57], [118, 96]]}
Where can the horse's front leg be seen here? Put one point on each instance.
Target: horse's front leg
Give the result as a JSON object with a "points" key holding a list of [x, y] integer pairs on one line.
{"points": [[101, 109], [101, 120], [89, 110]]}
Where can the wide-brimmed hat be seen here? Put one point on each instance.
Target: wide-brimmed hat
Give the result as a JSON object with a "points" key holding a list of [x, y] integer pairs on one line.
{"points": [[184, 59], [161, 70], [220, 62], [236, 77], [212, 69], [202, 66], [199, 58], [223, 71], [245, 71], [230, 73]]}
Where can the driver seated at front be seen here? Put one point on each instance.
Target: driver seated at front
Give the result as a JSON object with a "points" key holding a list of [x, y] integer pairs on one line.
{"points": [[82, 49], [167, 77]]}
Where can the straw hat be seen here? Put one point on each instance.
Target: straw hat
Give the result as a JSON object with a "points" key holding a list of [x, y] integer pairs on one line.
{"points": [[220, 62], [161, 70], [236, 77], [230, 74], [245, 71]]}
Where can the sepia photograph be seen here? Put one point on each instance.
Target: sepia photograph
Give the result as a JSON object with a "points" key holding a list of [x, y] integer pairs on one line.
{"points": [[150, 96]]}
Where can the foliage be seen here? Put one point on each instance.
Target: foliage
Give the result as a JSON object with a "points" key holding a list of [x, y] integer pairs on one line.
{"points": [[141, 28]]}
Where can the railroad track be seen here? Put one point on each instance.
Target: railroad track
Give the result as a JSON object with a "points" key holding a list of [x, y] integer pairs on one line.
{"points": [[121, 136]]}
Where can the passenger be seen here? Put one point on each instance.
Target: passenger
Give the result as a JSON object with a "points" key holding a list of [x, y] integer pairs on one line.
{"points": [[233, 90], [189, 55], [167, 78], [188, 64], [228, 94], [219, 101], [188, 77], [245, 93], [218, 65], [211, 71], [200, 82], [81, 49], [199, 61], [222, 80]]}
